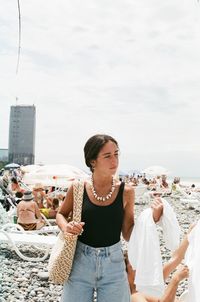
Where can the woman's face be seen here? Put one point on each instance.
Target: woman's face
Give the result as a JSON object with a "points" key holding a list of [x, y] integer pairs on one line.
{"points": [[108, 159]]}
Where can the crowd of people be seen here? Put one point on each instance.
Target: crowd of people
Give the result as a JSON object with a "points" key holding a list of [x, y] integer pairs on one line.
{"points": [[160, 185], [152, 183], [34, 204]]}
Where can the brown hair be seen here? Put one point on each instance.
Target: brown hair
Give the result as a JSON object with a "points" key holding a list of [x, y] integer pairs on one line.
{"points": [[55, 203], [94, 145]]}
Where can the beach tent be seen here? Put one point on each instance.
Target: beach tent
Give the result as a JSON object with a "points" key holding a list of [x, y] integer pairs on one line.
{"points": [[54, 175], [156, 171]]}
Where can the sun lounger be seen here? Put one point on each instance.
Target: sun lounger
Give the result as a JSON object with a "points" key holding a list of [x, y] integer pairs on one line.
{"points": [[40, 242], [16, 228]]}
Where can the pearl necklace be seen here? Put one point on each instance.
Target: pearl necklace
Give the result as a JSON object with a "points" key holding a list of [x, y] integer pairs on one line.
{"points": [[102, 198]]}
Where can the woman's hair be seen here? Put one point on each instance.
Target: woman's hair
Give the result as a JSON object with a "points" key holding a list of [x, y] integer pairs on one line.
{"points": [[19, 194], [94, 145], [14, 180], [55, 203]]}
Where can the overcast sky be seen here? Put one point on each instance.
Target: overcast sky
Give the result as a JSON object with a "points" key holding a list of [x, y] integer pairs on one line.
{"points": [[125, 67]]}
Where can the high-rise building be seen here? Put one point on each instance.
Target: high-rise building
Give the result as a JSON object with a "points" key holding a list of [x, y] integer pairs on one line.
{"points": [[4, 155], [22, 134]]}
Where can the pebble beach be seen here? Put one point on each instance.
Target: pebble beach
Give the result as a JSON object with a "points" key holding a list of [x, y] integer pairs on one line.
{"points": [[26, 281]]}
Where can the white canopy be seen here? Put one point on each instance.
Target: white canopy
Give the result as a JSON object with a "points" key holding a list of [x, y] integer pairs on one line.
{"points": [[52, 175], [156, 170]]}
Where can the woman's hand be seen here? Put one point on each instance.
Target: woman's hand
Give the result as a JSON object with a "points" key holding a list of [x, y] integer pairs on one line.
{"points": [[75, 228], [182, 273], [157, 208]]}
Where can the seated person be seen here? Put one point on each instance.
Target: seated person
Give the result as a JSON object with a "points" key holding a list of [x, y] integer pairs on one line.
{"points": [[52, 211], [15, 186], [164, 184], [28, 213], [170, 292], [54, 208], [18, 197], [39, 195]]}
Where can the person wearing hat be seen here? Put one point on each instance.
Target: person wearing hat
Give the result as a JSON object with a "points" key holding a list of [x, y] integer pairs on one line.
{"points": [[28, 213], [39, 195]]}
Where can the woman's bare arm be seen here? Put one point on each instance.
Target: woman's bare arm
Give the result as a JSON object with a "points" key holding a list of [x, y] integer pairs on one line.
{"points": [[170, 292], [37, 211], [176, 258], [128, 221], [65, 209]]}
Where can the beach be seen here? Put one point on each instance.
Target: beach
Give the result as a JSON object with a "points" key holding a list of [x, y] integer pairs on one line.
{"points": [[19, 280]]}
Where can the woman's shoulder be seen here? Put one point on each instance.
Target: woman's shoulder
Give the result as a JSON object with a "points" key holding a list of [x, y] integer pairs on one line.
{"points": [[129, 189], [128, 196]]}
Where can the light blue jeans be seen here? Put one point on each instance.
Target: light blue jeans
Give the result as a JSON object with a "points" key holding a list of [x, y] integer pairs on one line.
{"points": [[101, 269]]}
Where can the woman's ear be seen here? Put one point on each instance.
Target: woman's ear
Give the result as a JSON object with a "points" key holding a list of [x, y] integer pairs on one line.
{"points": [[92, 164]]}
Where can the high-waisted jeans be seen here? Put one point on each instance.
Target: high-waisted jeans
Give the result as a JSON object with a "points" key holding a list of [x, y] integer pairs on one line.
{"points": [[101, 269]]}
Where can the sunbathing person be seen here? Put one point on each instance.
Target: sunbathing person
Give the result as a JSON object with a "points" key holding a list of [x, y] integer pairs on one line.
{"points": [[164, 184], [39, 195], [169, 294], [15, 186], [50, 213], [182, 252], [28, 213]]}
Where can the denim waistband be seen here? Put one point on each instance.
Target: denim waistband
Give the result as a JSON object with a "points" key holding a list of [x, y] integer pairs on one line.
{"points": [[100, 251]]}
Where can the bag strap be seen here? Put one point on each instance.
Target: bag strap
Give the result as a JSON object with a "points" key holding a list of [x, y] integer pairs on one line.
{"points": [[78, 190]]}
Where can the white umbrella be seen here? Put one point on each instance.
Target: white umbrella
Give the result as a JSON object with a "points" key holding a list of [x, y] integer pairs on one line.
{"points": [[30, 168], [156, 170], [12, 166], [54, 175]]}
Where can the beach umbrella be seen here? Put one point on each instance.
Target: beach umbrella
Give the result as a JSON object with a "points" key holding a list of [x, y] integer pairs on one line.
{"points": [[12, 166], [156, 171], [30, 168], [54, 175]]}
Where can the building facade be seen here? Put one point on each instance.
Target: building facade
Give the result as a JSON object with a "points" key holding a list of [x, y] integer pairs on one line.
{"points": [[3, 155], [22, 134]]}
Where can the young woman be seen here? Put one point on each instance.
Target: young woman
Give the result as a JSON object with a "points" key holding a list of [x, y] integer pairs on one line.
{"points": [[108, 211]]}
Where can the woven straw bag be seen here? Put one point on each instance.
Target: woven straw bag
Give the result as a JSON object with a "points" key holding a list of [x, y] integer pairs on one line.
{"points": [[62, 255]]}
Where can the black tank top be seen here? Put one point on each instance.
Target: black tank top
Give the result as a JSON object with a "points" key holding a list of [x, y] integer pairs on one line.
{"points": [[103, 224]]}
